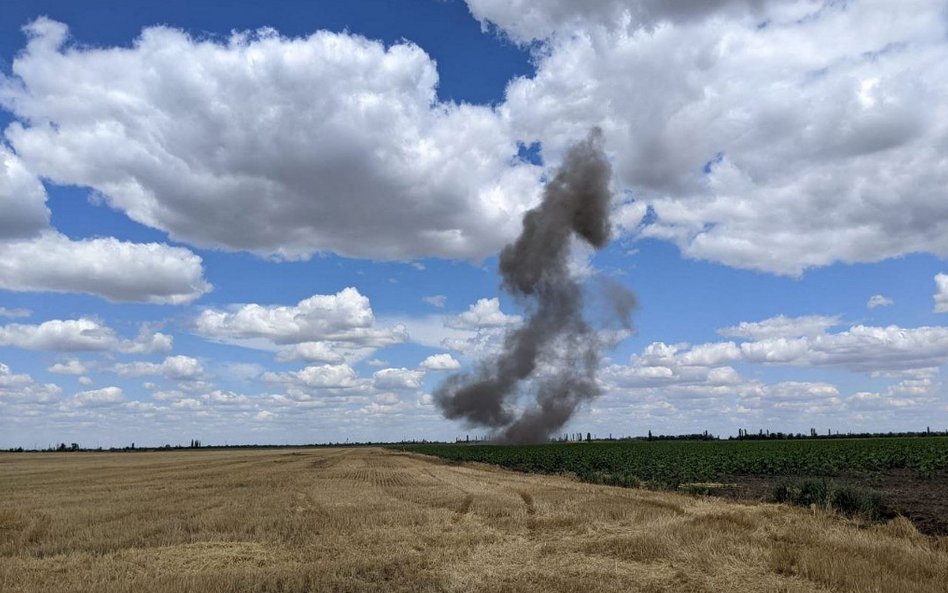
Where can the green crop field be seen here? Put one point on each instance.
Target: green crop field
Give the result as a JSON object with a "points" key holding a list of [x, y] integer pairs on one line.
{"points": [[671, 463]]}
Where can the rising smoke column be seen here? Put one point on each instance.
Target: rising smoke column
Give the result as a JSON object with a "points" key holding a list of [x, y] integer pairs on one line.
{"points": [[535, 270]]}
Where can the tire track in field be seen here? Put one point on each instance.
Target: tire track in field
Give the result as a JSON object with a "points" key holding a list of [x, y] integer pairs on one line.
{"points": [[405, 478], [464, 509]]}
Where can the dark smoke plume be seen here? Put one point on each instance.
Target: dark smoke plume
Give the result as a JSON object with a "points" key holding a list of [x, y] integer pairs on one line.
{"points": [[535, 269]]}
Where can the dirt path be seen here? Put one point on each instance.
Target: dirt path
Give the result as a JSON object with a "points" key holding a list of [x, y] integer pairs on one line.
{"points": [[377, 520]]}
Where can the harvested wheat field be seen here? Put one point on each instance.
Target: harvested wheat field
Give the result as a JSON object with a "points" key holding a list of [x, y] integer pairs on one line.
{"points": [[377, 520]]}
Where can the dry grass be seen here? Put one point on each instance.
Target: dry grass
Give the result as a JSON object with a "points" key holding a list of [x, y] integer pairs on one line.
{"points": [[372, 520]]}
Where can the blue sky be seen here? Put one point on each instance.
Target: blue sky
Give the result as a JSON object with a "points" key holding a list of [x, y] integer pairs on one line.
{"points": [[280, 223]]}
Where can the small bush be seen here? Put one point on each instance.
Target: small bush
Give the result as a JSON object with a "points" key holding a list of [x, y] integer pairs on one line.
{"points": [[784, 491], [624, 480], [812, 492], [609, 479], [850, 500], [846, 500], [697, 489], [801, 492]]}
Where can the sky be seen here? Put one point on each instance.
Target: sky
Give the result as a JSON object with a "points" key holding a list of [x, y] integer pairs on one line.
{"points": [[280, 222]]}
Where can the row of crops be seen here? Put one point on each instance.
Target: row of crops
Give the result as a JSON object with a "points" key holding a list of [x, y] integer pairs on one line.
{"points": [[670, 463]]}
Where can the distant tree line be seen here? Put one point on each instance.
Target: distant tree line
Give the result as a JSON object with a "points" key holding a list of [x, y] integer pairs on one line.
{"points": [[743, 434], [767, 435]]}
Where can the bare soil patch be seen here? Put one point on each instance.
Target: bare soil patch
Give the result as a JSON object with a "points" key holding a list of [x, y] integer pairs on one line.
{"points": [[922, 500]]}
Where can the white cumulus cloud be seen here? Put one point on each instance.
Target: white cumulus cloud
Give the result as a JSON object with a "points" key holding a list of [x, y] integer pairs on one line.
{"points": [[344, 316], [667, 365], [526, 20], [781, 326], [34, 257], [280, 146], [326, 376], [873, 350], [941, 293], [761, 139], [77, 335], [440, 362], [878, 300], [328, 352], [69, 367], [332, 328], [860, 348], [22, 389], [23, 211], [179, 368], [485, 313], [399, 378], [116, 270], [99, 397], [436, 300]]}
